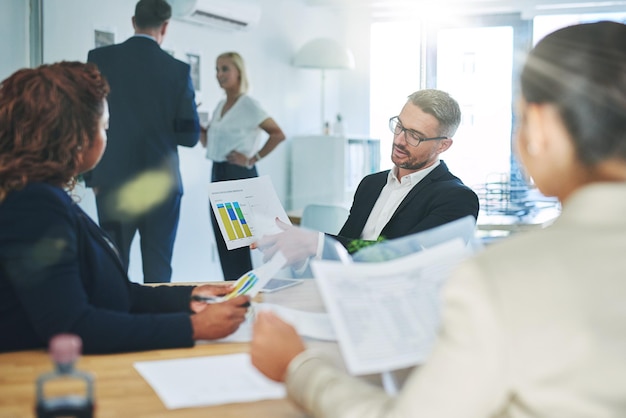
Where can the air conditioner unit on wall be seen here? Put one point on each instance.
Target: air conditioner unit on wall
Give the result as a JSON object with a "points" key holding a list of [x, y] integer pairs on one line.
{"points": [[223, 14]]}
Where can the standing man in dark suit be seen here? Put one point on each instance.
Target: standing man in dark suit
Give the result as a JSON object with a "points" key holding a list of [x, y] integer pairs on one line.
{"points": [[137, 184], [418, 194]]}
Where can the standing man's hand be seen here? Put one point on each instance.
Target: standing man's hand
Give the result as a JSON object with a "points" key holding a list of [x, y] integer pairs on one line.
{"points": [[203, 136]]}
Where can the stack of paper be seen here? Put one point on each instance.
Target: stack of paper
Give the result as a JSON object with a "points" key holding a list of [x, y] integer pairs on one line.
{"points": [[204, 381], [386, 315]]}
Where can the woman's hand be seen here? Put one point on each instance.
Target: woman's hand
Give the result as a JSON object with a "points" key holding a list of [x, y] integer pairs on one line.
{"points": [[209, 290], [235, 157], [274, 344], [219, 320]]}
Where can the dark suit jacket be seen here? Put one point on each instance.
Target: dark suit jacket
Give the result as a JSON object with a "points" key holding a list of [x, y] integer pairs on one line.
{"points": [[152, 111], [58, 273], [436, 200]]}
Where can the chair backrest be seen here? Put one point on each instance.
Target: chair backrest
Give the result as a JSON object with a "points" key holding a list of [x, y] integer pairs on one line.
{"points": [[324, 218]]}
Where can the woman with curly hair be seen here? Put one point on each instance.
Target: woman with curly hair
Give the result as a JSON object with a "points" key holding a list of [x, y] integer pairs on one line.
{"points": [[59, 272]]}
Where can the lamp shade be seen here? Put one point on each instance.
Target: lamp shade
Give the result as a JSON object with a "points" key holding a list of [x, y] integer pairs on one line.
{"points": [[324, 53], [182, 8]]}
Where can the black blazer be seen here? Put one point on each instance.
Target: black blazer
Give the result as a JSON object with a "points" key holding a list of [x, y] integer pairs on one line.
{"points": [[152, 111], [436, 200], [59, 273]]}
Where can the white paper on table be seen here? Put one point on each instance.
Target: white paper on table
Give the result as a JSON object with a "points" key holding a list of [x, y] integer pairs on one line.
{"points": [[204, 381], [246, 209], [386, 315], [315, 325]]}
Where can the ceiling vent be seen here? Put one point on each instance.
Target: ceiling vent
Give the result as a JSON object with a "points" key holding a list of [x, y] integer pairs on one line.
{"points": [[222, 14]]}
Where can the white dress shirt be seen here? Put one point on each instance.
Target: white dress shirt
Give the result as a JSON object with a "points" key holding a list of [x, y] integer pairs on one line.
{"points": [[390, 198]]}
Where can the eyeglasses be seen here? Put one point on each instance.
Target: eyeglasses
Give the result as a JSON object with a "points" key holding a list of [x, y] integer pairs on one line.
{"points": [[412, 138]]}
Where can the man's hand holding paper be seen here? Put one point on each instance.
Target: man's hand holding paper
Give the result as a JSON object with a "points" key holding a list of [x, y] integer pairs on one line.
{"points": [[296, 244]]}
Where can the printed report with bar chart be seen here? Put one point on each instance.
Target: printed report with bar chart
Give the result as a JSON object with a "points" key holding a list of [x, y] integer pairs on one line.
{"points": [[246, 210]]}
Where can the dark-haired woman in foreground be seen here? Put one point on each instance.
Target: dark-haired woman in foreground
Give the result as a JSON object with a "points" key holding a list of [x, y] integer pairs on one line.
{"points": [[534, 326], [59, 273]]}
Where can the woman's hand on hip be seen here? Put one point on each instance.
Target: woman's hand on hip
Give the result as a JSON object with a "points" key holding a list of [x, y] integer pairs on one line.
{"points": [[235, 157]]}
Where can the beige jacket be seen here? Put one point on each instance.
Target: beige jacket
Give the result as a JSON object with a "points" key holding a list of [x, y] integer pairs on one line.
{"points": [[534, 326]]}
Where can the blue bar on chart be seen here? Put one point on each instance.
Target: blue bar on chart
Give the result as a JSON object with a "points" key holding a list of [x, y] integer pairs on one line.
{"points": [[234, 221]]}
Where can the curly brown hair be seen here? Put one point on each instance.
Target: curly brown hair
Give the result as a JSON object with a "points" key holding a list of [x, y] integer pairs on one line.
{"points": [[47, 115]]}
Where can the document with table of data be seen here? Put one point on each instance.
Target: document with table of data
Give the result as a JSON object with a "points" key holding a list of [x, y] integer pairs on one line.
{"points": [[246, 209], [386, 314]]}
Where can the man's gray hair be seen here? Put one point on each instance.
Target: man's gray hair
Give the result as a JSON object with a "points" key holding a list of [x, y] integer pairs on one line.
{"points": [[440, 105]]}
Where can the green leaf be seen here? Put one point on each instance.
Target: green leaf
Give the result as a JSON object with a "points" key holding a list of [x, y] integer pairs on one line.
{"points": [[357, 244]]}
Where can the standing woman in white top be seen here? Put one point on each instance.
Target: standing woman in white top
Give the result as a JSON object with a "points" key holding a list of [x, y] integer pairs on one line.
{"points": [[232, 143]]}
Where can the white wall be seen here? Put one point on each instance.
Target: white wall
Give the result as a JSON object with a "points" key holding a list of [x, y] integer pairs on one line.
{"points": [[291, 95], [14, 46], [354, 99]]}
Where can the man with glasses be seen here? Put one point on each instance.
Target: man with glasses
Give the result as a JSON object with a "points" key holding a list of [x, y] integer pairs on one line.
{"points": [[418, 194]]}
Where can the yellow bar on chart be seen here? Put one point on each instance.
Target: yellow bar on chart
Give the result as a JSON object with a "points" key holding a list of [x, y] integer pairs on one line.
{"points": [[226, 221]]}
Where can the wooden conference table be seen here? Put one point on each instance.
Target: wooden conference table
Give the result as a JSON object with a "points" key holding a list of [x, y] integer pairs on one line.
{"points": [[121, 392]]}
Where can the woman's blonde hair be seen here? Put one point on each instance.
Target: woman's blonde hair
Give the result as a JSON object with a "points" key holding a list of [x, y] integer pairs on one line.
{"points": [[244, 85]]}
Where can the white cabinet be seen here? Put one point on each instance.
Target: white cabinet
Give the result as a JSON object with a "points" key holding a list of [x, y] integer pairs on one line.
{"points": [[327, 169]]}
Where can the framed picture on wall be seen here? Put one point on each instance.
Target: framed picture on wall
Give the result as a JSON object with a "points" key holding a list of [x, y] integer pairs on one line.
{"points": [[103, 37], [194, 61]]}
